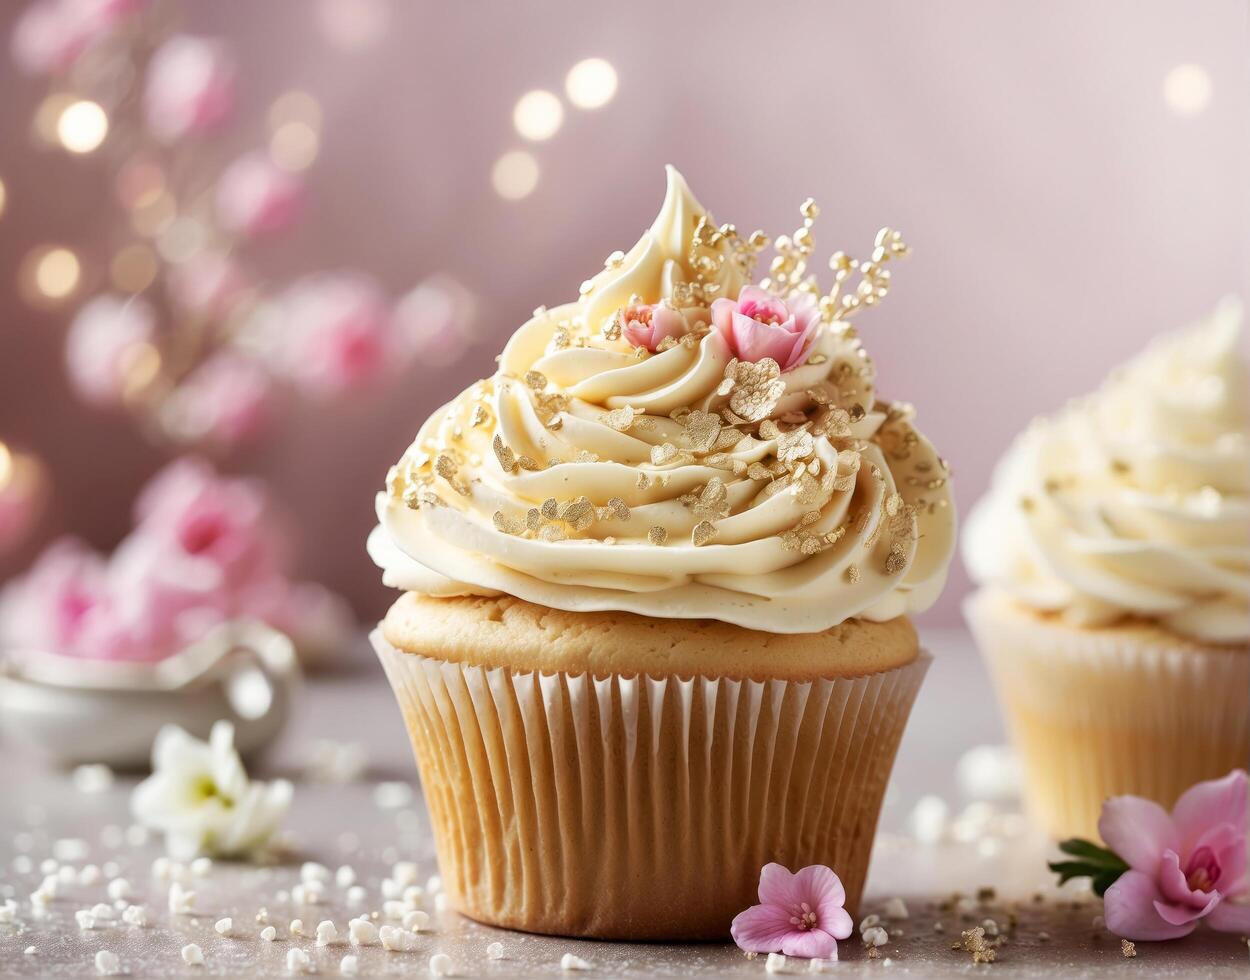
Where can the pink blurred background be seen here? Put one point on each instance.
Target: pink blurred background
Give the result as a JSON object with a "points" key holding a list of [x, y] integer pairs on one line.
{"points": [[1067, 192]]}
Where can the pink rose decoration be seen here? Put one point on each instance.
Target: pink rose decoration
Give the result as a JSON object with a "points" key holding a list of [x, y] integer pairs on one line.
{"points": [[103, 341], [649, 324], [799, 914], [760, 325], [210, 284], [256, 197], [224, 401], [1184, 866], [335, 333], [190, 88]]}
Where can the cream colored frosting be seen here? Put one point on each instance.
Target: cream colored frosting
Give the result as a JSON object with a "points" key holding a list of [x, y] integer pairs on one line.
{"points": [[549, 480], [1136, 499]]}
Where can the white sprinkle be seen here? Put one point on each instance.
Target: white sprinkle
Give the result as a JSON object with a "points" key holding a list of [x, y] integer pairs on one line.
{"points": [[224, 926], [938, 927], [326, 933], [875, 936], [269, 934], [8, 911], [308, 893], [356, 896], [349, 966], [394, 910], [192, 955], [404, 872], [391, 888], [312, 871], [362, 932], [66, 875], [85, 919], [392, 796], [161, 868], [119, 889], [297, 927], [30, 951], [894, 908], [494, 951], [345, 877], [441, 902], [569, 963], [776, 963], [434, 885], [102, 912], [201, 867], [413, 895], [818, 965], [869, 922], [395, 940], [440, 965], [135, 915], [181, 901], [416, 920], [92, 778], [990, 927], [106, 963], [296, 960]]}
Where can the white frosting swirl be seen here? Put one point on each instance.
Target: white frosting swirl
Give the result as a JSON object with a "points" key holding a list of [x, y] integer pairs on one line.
{"points": [[552, 486], [1134, 501]]}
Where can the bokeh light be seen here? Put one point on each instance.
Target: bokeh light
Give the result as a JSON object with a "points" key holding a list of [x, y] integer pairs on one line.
{"points": [[55, 272], [139, 182], [47, 119], [6, 465], [353, 24], [294, 106], [154, 213], [1187, 89], [184, 238], [294, 146], [82, 127], [538, 115], [3, 197], [133, 268], [515, 175], [591, 83]]}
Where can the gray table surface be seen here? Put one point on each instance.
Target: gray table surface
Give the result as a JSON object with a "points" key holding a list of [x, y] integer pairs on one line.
{"points": [[987, 845]]}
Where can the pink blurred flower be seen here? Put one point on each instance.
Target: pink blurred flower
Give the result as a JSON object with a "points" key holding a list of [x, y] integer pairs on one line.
{"points": [[648, 325], [102, 343], [48, 608], [224, 401], [799, 914], [210, 284], [319, 622], [257, 197], [434, 320], [760, 325], [46, 40], [335, 332], [190, 87], [1183, 866]]}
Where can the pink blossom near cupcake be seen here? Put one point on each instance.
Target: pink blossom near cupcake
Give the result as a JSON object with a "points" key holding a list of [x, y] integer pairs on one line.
{"points": [[1113, 554]]}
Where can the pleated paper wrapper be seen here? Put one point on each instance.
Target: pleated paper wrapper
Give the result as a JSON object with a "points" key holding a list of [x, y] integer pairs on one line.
{"points": [[1096, 713], [643, 807]]}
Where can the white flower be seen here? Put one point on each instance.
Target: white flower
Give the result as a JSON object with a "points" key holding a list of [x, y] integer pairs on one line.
{"points": [[200, 797]]}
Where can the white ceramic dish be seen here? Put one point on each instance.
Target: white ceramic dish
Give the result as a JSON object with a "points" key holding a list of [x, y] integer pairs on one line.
{"points": [[75, 711]]}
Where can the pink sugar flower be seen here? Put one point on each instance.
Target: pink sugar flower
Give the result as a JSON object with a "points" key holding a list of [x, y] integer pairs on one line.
{"points": [[799, 914], [1184, 866], [224, 401], [257, 197], [105, 338], [759, 325], [650, 324], [190, 88]]}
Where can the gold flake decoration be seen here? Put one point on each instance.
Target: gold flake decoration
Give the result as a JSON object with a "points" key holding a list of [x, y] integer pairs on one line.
{"points": [[758, 471], [507, 525], [852, 574], [643, 481], [668, 343], [534, 519], [578, 514], [619, 419], [481, 415], [507, 459], [702, 533], [710, 501], [975, 943], [535, 380], [616, 509], [896, 560], [612, 327], [798, 538], [550, 508], [833, 423], [702, 431], [666, 453], [551, 533], [657, 535], [528, 463], [446, 467], [795, 446], [753, 389], [1128, 949]]}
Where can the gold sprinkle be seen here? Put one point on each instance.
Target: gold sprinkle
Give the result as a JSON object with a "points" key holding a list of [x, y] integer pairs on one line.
{"points": [[528, 463], [619, 418], [505, 524], [551, 532], [536, 380], [612, 327], [507, 459], [703, 532], [852, 573], [550, 508], [657, 535], [480, 416], [753, 389], [643, 481], [896, 560], [1128, 949], [579, 514]]}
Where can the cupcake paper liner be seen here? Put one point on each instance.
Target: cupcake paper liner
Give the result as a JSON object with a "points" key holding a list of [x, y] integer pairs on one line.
{"points": [[643, 807], [1099, 713]]}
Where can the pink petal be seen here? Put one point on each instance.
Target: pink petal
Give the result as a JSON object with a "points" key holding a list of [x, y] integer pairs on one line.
{"points": [[823, 891], [753, 301], [779, 887], [1174, 886], [722, 316], [1207, 805], [762, 928], [1230, 917], [1129, 908], [1179, 915], [1138, 830], [755, 341], [811, 944]]}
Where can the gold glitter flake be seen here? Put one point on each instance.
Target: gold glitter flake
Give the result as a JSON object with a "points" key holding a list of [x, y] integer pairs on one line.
{"points": [[578, 514], [507, 459], [507, 525], [535, 380], [619, 419], [616, 510], [711, 501], [702, 533], [481, 415], [612, 327], [1128, 949], [753, 389], [852, 574], [896, 560], [975, 943], [657, 535], [667, 454], [703, 431], [643, 481]]}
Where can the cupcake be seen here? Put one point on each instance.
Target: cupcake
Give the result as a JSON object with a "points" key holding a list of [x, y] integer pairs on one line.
{"points": [[1113, 555], [656, 575]]}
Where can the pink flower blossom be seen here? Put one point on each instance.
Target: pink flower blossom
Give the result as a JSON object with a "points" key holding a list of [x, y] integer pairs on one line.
{"points": [[45, 40], [190, 88], [48, 608], [335, 333], [799, 914], [760, 325], [650, 324], [434, 320], [257, 197], [1183, 866], [210, 284], [224, 401], [103, 341]]}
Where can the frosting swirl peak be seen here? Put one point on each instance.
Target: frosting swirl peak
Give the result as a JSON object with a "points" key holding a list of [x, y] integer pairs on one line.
{"points": [[638, 451]]}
